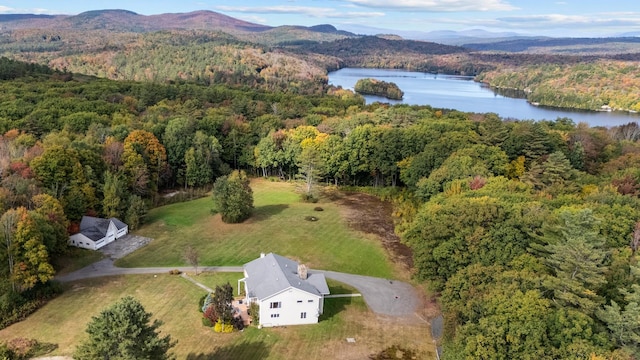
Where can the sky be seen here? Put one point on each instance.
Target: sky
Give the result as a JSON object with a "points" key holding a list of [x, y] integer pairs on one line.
{"points": [[574, 18]]}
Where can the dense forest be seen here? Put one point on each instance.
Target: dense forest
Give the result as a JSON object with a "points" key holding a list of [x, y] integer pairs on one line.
{"points": [[527, 230], [590, 86]]}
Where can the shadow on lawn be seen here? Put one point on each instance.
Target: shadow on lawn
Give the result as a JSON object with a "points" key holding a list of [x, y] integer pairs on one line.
{"points": [[265, 212], [333, 306], [246, 350]]}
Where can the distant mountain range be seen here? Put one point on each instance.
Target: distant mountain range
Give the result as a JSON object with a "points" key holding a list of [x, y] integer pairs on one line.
{"points": [[123, 20], [128, 21], [448, 37]]}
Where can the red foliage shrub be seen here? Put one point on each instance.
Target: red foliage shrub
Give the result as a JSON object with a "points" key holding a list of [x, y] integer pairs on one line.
{"points": [[477, 182]]}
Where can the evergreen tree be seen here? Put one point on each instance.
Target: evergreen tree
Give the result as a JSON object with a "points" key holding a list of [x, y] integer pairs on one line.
{"points": [[576, 259], [233, 197], [222, 299], [624, 324], [124, 331]]}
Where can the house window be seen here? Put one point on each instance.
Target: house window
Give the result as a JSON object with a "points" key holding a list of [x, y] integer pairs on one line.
{"points": [[299, 301], [275, 305], [303, 315], [310, 301], [275, 315]]}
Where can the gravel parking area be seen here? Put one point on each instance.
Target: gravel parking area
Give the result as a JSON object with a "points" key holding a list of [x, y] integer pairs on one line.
{"points": [[124, 246]]}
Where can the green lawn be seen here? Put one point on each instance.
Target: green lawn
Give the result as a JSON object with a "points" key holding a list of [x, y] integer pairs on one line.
{"points": [[278, 226], [75, 259], [174, 300]]}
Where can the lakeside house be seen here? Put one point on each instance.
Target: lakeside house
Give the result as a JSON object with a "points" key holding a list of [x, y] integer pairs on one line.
{"points": [[98, 232], [288, 294]]}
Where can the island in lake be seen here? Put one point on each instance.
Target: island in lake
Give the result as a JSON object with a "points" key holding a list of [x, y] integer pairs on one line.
{"points": [[376, 87]]}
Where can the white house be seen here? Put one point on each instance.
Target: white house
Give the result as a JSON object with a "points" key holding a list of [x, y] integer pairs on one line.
{"points": [[96, 232], [288, 294]]}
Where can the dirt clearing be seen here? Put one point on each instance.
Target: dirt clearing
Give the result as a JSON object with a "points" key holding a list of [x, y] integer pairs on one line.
{"points": [[370, 215]]}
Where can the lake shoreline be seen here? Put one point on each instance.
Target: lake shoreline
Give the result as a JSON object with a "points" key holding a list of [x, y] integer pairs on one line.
{"points": [[464, 93]]}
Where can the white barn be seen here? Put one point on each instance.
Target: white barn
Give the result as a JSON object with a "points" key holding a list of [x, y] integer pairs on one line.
{"points": [[97, 232], [287, 293]]}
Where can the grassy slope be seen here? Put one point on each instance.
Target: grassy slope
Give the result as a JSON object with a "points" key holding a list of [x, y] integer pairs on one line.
{"points": [[278, 225], [174, 300]]}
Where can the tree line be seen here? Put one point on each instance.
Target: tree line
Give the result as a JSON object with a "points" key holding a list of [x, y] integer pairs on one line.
{"points": [[587, 85]]}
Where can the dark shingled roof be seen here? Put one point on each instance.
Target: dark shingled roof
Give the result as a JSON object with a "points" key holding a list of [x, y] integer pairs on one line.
{"points": [[119, 224], [96, 228], [273, 273]]}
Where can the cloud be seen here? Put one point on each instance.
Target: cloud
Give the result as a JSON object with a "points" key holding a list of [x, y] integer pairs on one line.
{"points": [[254, 19], [603, 24], [613, 20], [436, 5], [10, 10], [315, 12]]}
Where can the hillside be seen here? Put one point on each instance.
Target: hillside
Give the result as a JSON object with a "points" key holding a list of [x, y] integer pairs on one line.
{"points": [[380, 52], [566, 46], [201, 46], [127, 21]]}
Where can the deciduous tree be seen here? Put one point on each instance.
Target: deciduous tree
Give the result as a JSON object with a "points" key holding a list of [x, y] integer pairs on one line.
{"points": [[52, 222], [143, 153], [31, 258], [113, 193], [192, 256], [136, 212]]}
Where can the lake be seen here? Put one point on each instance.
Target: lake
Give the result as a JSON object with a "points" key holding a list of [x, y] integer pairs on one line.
{"points": [[464, 94]]}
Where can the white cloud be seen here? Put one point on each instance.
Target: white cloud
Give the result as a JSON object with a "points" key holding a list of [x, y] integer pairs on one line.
{"points": [[10, 10], [315, 12], [610, 20], [254, 19], [603, 24], [437, 5]]}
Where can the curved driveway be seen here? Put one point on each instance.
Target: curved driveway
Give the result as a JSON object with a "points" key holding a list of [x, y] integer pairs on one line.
{"points": [[383, 296]]}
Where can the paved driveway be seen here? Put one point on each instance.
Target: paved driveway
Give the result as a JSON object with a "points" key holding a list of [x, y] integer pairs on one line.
{"points": [[105, 267], [383, 296]]}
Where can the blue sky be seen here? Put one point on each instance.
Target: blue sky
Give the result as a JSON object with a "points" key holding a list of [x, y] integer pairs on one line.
{"points": [[544, 17]]}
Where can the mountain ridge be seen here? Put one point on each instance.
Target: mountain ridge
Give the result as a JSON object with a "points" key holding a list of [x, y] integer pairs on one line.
{"points": [[125, 20]]}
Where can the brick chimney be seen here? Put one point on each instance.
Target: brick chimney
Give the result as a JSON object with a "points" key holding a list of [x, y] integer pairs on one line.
{"points": [[302, 271]]}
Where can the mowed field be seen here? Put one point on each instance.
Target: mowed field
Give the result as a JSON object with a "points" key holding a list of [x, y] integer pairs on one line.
{"points": [[278, 225], [174, 300]]}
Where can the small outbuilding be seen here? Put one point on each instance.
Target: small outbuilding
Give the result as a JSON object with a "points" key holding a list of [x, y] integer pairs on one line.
{"points": [[98, 232], [287, 292]]}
